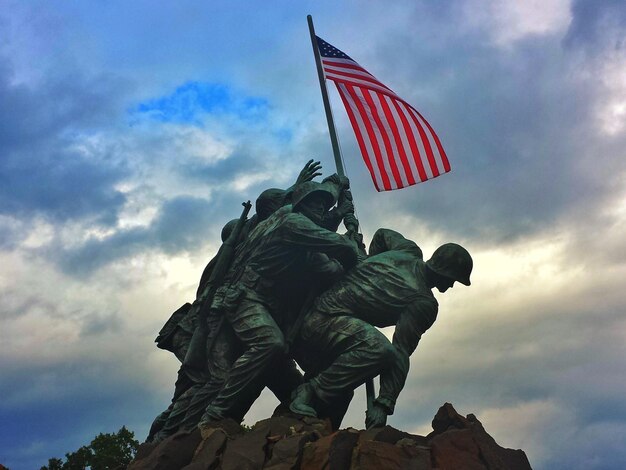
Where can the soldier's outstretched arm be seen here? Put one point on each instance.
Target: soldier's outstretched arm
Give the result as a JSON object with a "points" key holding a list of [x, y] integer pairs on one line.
{"points": [[326, 269], [300, 231], [332, 219], [311, 170], [413, 322], [339, 186], [375, 416]]}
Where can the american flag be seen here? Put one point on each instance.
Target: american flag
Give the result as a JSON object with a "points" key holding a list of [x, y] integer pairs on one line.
{"points": [[398, 145]]}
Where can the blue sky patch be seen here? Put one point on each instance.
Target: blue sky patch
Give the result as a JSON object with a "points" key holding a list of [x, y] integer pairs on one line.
{"points": [[190, 101], [283, 134]]}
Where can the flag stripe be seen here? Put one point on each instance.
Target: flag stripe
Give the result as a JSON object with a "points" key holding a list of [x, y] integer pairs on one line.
{"points": [[424, 139], [419, 141], [361, 83], [345, 64], [442, 153], [408, 132], [341, 73], [355, 78], [386, 150], [349, 66], [394, 141], [373, 136], [359, 130], [399, 147]]}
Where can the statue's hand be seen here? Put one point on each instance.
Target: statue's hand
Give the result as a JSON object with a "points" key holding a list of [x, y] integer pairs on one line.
{"points": [[333, 179], [350, 221], [342, 182], [345, 182], [310, 171], [345, 207], [375, 417]]}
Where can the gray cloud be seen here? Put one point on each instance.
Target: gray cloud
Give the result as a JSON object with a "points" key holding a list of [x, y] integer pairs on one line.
{"points": [[12, 233], [60, 186], [181, 225], [518, 128], [558, 352], [597, 25], [98, 324], [77, 394], [237, 164], [40, 171]]}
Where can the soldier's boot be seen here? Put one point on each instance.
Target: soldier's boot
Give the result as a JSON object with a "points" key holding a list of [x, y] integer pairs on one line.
{"points": [[158, 424], [229, 426], [209, 418], [303, 401]]}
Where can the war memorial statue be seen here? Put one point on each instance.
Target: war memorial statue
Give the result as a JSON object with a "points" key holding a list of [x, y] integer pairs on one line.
{"points": [[286, 288], [289, 304]]}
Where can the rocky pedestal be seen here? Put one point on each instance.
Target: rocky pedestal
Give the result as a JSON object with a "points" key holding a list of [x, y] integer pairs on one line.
{"points": [[291, 442]]}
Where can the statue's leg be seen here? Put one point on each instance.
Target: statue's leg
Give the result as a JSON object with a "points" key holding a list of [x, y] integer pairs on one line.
{"points": [[176, 415], [263, 342], [336, 410], [158, 423], [198, 403], [220, 358], [282, 378], [354, 350], [183, 383]]}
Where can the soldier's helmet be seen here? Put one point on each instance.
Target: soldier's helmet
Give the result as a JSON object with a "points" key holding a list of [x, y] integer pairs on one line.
{"points": [[452, 261], [228, 228], [304, 190], [269, 201]]}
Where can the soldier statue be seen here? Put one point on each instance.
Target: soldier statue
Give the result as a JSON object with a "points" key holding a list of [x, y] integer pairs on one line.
{"points": [[197, 386], [283, 256], [296, 290], [339, 345]]}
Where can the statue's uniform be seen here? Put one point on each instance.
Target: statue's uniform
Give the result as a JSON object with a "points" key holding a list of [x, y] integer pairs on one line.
{"points": [[275, 269], [338, 344], [196, 388]]}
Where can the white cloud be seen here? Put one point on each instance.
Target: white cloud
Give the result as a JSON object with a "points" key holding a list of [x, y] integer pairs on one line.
{"points": [[197, 143], [511, 21], [531, 426], [611, 105]]}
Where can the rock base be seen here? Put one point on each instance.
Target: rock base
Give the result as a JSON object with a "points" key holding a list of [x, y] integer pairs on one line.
{"points": [[292, 442]]}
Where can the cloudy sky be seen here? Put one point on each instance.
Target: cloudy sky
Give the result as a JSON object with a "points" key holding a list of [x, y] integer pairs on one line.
{"points": [[130, 132]]}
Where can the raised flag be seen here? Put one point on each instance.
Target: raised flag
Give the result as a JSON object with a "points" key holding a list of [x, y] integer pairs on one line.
{"points": [[399, 147]]}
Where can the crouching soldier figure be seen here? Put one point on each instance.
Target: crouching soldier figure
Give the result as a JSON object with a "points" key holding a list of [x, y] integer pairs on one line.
{"points": [[339, 347]]}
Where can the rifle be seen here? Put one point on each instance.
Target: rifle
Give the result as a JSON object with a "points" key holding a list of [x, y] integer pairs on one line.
{"points": [[196, 354]]}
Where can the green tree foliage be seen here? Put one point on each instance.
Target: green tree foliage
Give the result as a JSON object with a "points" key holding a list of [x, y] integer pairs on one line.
{"points": [[105, 452], [53, 464]]}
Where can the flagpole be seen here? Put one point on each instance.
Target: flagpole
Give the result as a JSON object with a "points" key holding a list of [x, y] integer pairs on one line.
{"points": [[370, 391], [329, 115], [354, 225]]}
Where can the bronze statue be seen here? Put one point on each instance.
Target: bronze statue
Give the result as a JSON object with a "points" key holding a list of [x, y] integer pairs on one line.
{"points": [[177, 333], [285, 286], [339, 344], [282, 256], [204, 370]]}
